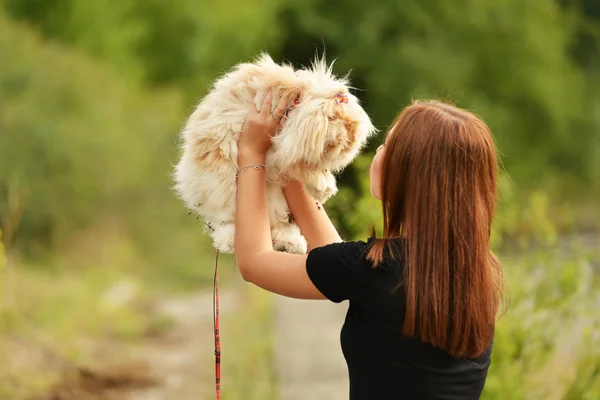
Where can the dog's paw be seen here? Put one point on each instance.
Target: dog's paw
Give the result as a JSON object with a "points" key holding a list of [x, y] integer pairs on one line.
{"points": [[331, 189], [288, 238], [321, 186], [223, 237], [290, 247]]}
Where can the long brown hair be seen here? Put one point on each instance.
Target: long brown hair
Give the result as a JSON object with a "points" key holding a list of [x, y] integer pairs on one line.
{"points": [[439, 195]]}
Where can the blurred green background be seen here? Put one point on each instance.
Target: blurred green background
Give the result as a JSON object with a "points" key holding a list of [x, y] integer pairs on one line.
{"points": [[93, 93]]}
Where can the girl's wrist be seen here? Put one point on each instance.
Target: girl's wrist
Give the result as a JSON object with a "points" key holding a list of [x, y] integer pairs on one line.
{"points": [[247, 156], [293, 189]]}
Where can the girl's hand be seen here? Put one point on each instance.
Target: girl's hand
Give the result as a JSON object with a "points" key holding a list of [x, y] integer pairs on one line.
{"points": [[262, 125]]}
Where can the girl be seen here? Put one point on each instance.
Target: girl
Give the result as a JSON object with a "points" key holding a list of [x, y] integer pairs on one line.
{"points": [[424, 296]]}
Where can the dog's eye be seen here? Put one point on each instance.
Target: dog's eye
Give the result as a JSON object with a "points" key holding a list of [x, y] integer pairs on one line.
{"points": [[331, 118]]}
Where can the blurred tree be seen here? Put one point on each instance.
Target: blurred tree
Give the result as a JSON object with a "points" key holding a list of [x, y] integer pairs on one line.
{"points": [[508, 61], [182, 42], [586, 26], [501, 59], [528, 68], [78, 142], [585, 51], [189, 44], [100, 28]]}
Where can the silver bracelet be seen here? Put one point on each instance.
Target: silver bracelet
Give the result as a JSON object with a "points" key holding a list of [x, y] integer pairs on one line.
{"points": [[244, 169]]}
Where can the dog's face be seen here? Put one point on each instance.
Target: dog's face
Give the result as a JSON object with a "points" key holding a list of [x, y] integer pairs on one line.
{"points": [[327, 127]]}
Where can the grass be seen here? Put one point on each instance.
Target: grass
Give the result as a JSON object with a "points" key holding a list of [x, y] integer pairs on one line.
{"points": [[547, 345]]}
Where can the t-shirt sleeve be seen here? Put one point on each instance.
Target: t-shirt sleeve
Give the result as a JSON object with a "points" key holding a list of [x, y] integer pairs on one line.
{"points": [[340, 271]]}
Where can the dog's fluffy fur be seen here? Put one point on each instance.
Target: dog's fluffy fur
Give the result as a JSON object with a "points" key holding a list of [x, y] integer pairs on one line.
{"points": [[320, 136]]}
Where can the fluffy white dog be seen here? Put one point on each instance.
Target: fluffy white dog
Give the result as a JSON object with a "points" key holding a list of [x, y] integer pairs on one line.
{"points": [[322, 134]]}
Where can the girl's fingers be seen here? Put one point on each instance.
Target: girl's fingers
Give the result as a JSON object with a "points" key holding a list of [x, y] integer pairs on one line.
{"points": [[267, 103], [283, 105], [254, 109]]}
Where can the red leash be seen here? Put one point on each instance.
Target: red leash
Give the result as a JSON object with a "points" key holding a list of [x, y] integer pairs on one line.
{"points": [[216, 325]]}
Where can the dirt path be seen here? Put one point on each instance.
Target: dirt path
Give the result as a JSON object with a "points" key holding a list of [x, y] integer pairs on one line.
{"points": [[309, 359], [178, 364], [183, 360]]}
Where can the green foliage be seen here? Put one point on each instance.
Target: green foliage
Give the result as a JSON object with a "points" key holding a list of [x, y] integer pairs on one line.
{"points": [[158, 42], [74, 139], [353, 209], [500, 59], [547, 344], [101, 28], [527, 222]]}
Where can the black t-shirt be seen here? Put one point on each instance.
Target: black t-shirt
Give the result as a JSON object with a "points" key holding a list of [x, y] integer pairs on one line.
{"points": [[382, 362]]}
